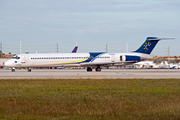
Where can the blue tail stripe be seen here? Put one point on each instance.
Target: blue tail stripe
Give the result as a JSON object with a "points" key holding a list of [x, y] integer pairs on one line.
{"points": [[93, 55]]}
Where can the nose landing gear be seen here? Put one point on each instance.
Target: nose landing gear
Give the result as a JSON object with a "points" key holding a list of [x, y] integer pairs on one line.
{"points": [[29, 69]]}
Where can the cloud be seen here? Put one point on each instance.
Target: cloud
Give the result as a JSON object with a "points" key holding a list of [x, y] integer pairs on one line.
{"points": [[92, 20]]}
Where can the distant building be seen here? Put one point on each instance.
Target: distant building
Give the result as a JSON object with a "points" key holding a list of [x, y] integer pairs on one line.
{"points": [[167, 57], [8, 55], [4, 58], [2, 55]]}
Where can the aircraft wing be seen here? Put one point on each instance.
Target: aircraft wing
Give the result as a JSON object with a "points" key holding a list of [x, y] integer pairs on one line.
{"points": [[108, 63]]}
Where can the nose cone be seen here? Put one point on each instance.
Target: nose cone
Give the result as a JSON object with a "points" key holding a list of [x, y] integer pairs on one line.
{"points": [[8, 64]]}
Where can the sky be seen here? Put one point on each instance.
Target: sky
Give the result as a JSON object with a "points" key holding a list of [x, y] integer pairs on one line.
{"points": [[41, 24]]}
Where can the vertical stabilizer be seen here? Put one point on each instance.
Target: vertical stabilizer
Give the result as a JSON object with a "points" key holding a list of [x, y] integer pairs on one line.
{"points": [[75, 49], [148, 45]]}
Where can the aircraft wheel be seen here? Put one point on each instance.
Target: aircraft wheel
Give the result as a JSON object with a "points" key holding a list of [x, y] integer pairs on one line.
{"points": [[29, 70], [13, 70], [89, 69], [98, 69]]}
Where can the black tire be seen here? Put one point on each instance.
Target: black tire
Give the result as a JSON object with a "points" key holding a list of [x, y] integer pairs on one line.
{"points": [[98, 69], [29, 70], [89, 69]]}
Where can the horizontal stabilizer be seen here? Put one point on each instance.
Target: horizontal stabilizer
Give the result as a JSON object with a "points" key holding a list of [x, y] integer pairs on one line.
{"points": [[149, 44], [160, 39]]}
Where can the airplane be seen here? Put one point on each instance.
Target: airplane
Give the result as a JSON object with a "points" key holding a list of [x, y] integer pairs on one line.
{"points": [[146, 64], [75, 49], [165, 64], [88, 60]]}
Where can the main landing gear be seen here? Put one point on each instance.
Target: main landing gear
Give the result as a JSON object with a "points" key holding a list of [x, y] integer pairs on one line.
{"points": [[89, 69], [98, 69]]}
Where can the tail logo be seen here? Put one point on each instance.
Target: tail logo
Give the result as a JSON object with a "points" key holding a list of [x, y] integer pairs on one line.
{"points": [[146, 46]]}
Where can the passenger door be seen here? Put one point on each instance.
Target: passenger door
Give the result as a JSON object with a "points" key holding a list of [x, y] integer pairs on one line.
{"points": [[112, 57], [23, 59]]}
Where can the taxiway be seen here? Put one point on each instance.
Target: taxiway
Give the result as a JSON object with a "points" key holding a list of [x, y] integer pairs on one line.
{"points": [[83, 74]]}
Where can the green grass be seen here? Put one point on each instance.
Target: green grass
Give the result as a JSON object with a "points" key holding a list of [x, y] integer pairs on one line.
{"points": [[90, 99]]}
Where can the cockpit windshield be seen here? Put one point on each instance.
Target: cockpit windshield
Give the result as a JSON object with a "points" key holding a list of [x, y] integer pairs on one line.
{"points": [[15, 57]]}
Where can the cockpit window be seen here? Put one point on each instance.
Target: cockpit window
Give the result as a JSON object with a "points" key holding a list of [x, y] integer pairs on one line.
{"points": [[15, 57]]}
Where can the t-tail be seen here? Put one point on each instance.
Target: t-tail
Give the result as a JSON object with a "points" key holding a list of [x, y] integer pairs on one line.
{"points": [[149, 44]]}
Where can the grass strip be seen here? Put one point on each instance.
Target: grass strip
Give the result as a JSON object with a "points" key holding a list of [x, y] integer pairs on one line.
{"points": [[90, 99]]}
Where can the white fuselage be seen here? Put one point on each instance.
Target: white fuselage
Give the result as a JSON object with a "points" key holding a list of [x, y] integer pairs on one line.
{"points": [[70, 59]]}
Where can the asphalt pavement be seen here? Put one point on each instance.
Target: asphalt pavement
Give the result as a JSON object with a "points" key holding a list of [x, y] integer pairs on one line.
{"points": [[83, 74]]}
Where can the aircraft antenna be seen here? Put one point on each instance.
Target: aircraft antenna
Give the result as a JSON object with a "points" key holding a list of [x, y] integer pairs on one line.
{"points": [[126, 47], [0, 48], [168, 53], [106, 47], [20, 47], [57, 47]]}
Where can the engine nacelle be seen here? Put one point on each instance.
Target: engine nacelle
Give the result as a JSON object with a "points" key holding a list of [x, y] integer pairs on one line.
{"points": [[124, 58]]}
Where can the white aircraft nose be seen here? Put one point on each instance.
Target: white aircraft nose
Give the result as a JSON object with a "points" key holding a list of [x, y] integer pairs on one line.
{"points": [[8, 64]]}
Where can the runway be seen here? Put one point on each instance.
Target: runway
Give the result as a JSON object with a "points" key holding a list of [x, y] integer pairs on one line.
{"points": [[83, 74]]}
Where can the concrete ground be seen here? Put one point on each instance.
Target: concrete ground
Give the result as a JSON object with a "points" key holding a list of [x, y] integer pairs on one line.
{"points": [[83, 74]]}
